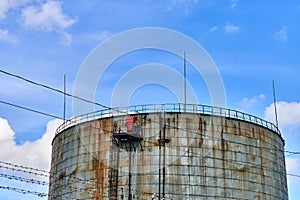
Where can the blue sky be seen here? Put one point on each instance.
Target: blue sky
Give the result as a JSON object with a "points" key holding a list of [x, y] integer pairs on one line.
{"points": [[251, 42]]}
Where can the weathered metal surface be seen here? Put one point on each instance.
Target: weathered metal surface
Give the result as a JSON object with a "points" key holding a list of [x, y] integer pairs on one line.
{"points": [[180, 156]]}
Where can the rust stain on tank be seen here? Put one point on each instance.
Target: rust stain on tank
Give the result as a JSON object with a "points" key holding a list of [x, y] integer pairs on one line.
{"points": [[205, 155]]}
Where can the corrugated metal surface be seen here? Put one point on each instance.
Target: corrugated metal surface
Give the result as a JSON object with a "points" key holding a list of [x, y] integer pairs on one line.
{"points": [[179, 156]]}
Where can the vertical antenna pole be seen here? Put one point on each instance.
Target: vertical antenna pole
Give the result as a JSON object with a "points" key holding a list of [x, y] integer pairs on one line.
{"points": [[184, 66], [164, 157], [129, 174], [275, 107], [64, 98], [159, 158]]}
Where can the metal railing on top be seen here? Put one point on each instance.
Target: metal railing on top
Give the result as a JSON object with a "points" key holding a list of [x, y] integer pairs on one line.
{"points": [[178, 107]]}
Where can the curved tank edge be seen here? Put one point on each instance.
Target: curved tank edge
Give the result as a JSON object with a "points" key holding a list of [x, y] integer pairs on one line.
{"points": [[102, 118]]}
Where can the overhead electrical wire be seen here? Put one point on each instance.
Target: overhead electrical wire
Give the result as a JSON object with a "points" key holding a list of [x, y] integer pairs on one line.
{"points": [[36, 193], [33, 171], [50, 115], [36, 172], [295, 175], [24, 167], [76, 189], [24, 171], [30, 109], [148, 141], [45, 86], [51, 88], [45, 183], [62, 92], [57, 117], [61, 118], [22, 179], [292, 152], [40, 172], [22, 191]]}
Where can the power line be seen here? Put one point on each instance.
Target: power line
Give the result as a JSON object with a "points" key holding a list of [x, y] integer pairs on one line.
{"points": [[53, 89], [295, 175], [46, 114], [54, 116], [39, 172], [36, 172], [22, 179], [14, 166], [31, 110], [24, 167], [45, 183], [36, 111], [78, 189], [97, 128], [39, 194], [24, 171], [292, 152], [22, 191]]}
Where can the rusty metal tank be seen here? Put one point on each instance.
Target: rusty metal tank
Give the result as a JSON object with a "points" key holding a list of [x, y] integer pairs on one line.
{"points": [[170, 151]]}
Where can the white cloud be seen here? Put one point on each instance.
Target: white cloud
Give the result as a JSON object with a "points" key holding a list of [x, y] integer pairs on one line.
{"points": [[234, 3], [36, 154], [6, 5], [6, 37], [230, 28], [288, 113], [292, 165], [180, 3], [100, 36], [48, 17], [17, 3], [66, 38], [281, 35], [213, 29], [250, 102]]}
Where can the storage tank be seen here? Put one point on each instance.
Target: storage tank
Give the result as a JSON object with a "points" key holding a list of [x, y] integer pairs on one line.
{"points": [[170, 151]]}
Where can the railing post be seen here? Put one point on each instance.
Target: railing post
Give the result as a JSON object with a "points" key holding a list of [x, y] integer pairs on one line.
{"points": [[172, 107]]}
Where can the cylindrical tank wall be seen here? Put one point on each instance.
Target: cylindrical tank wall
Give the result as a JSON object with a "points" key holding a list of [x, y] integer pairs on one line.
{"points": [[175, 156]]}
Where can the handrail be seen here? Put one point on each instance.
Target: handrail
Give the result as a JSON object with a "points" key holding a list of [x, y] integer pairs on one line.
{"points": [[176, 107]]}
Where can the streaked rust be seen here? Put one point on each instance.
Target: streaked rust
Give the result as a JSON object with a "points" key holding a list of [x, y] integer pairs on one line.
{"points": [[205, 157]]}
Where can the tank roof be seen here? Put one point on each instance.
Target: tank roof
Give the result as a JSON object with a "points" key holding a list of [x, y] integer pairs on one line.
{"points": [[168, 107]]}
